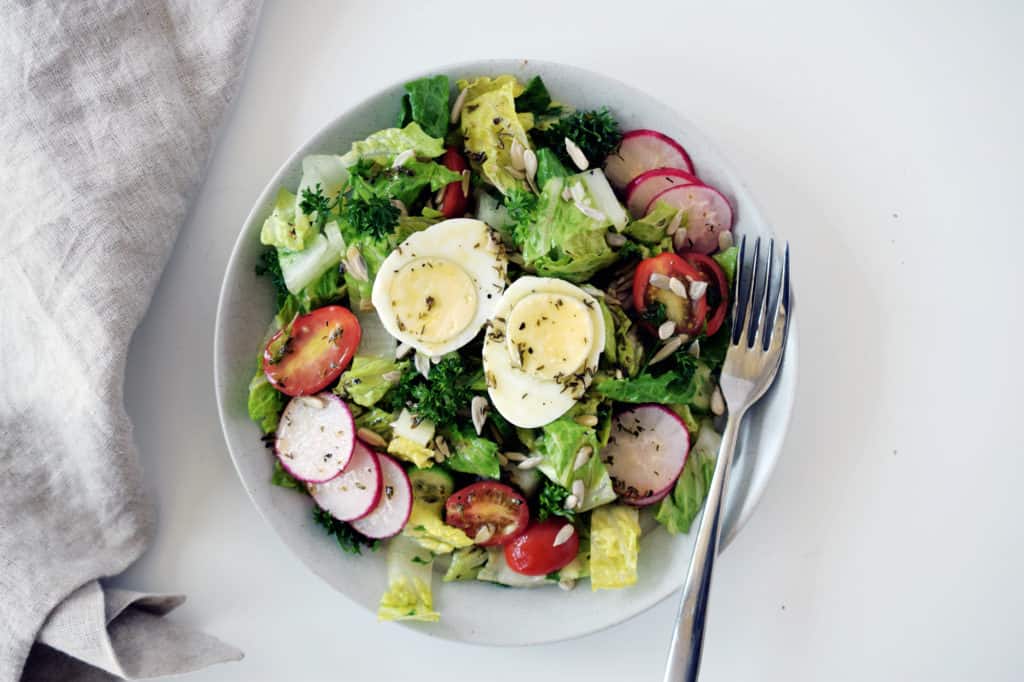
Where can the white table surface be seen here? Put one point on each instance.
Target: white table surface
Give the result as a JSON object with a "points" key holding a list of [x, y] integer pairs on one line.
{"points": [[884, 141]]}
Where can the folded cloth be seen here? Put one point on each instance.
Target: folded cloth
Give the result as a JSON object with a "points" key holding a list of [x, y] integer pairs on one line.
{"points": [[107, 117]]}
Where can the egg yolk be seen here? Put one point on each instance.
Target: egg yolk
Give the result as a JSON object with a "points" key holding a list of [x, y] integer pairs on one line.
{"points": [[549, 334], [433, 299]]}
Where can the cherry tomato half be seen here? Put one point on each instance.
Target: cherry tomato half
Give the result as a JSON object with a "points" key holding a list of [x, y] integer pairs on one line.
{"points": [[534, 552], [717, 295], [313, 351], [688, 315], [455, 201], [490, 505]]}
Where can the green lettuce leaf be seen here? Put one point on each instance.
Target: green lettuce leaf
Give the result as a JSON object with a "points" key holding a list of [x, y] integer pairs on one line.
{"points": [[265, 402], [668, 388], [384, 145], [559, 444], [727, 259], [281, 229], [677, 511], [466, 563], [376, 420], [283, 479], [427, 99], [548, 166], [489, 124], [410, 572], [473, 455], [364, 383], [535, 98]]}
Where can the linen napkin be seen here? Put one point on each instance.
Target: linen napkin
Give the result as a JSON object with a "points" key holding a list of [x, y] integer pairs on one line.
{"points": [[107, 117]]}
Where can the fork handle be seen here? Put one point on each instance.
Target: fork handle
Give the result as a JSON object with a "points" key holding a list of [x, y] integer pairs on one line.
{"points": [[688, 636]]}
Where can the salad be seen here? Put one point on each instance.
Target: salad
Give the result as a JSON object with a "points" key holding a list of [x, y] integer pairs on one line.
{"points": [[498, 334]]}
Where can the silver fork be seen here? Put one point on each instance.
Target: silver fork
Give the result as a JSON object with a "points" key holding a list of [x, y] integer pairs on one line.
{"points": [[751, 363]]}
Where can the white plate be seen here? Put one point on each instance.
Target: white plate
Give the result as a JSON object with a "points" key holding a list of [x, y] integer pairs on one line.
{"points": [[469, 609]]}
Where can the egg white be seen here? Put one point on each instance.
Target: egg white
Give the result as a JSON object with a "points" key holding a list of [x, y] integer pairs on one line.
{"points": [[525, 398], [463, 297]]}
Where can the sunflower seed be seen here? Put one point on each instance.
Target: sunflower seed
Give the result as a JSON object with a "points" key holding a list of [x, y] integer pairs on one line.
{"points": [[401, 159], [586, 420], [717, 402], [530, 164], [577, 155], [679, 240], [571, 502], [441, 445], [666, 329], [516, 173], [466, 175], [314, 401], [371, 438], [615, 240], [391, 377], [577, 192], [618, 374], [516, 155], [566, 194], [579, 490], [530, 462], [400, 205], [668, 349], [591, 213], [439, 195], [502, 460], [402, 350], [515, 456], [516, 258], [725, 240], [436, 359], [673, 226], [694, 348], [582, 457], [658, 281], [566, 584], [356, 264], [485, 533], [422, 364], [564, 533], [677, 287], [460, 101], [698, 289], [439, 457], [478, 409]]}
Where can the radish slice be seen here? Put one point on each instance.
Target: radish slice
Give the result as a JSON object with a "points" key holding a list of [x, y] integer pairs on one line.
{"points": [[315, 437], [708, 213], [653, 499], [395, 505], [643, 187], [641, 151], [353, 494], [646, 453]]}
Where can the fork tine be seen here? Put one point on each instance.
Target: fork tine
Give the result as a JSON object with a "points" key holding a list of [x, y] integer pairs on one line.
{"points": [[762, 335], [782, 307], [746, 333], [737, 312]]}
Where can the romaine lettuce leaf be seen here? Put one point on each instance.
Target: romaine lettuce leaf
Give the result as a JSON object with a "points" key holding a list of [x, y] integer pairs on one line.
{"points": [[265, 402], [410, 571], [283, 479], [405, 183], [364, 383], [411, 451], [727, 259], [376, 420], [428, 104], [668, 388], [677, 511], [548, 166], [384, 145], [559, 444], [535, 98], [489, 125], [431, 533], [473, 455], [280, 229], [466, 563], [322, 252], [614, 546]]}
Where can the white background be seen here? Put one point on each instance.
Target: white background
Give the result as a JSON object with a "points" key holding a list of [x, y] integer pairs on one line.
{"points": [[884, 140]]}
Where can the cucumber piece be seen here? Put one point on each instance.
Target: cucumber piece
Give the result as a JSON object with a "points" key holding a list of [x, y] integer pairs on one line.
{"points": [[431, 486], [705, 387]]}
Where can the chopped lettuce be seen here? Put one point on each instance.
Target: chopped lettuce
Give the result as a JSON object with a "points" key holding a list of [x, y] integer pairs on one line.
{"points": [[548, 166], [326, 289], [622, 346], [430, 532], [466, 563], [265, 402], [614, 546], [369, 378], [410, 571], [497, 570], [668, 388], [561, 240], [558, 445], [384, 145], [283, 479], [280, 229], [321, 253], [419, 431], [405, 183], [376, 420], [534, 98], [692, 425], [411, 451], [426, 101], [489, 126], [677, 511], [326, 171], [374, 251], [727, 259], [473, 455]]}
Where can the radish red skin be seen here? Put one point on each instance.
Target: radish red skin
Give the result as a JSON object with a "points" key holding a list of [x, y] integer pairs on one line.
{"points": [[385, 521], [645, 186], [631, 459], [641, 151]]}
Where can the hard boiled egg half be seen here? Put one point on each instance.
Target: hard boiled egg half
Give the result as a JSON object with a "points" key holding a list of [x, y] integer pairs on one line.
{"points": [[541, 349], [438, 287]]}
